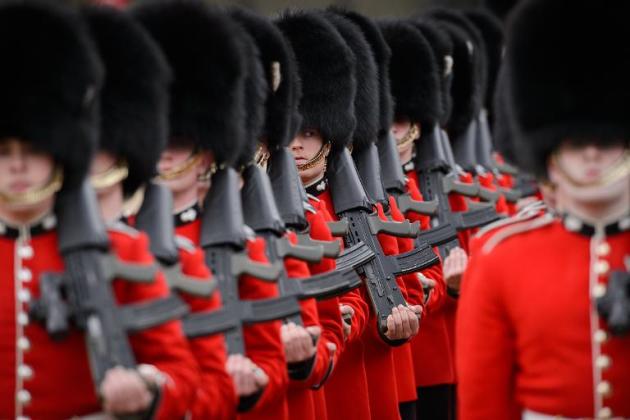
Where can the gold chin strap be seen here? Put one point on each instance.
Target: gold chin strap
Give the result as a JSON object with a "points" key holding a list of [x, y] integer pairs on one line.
{"points": [[320, 156], [182, 168], [618, 170], [412, 134], [112, 176], [36, 195]]}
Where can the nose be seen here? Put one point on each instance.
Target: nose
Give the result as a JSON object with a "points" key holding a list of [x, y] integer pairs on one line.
{"points": [[591, 152], [296, 144], [18, 160]]}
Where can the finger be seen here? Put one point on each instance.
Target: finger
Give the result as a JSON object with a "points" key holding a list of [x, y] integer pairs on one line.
{"points": [[414, 323], [397, 322], [405, 322]]}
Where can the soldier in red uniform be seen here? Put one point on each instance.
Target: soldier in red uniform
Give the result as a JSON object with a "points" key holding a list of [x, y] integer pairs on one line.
{"points": [[48, 136], [207, 121], [418, 108], [537, 340], [327, 74], [134, 121]]}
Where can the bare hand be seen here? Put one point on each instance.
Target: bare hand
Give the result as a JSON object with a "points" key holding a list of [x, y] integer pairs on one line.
{"points": [[247, 377], [427, 286], [454, 267], [402, 323], [347, 313], [300, 343], [124, 391]]}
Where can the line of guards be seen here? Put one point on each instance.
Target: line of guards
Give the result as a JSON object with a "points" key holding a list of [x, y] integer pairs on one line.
{"points": [[207, 213]]}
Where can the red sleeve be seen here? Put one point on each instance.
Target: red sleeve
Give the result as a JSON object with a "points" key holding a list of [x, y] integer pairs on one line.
{"points": [[484, 344], [215, 397], [262, 341], [310, 317], [329, 314], [164, 346]]}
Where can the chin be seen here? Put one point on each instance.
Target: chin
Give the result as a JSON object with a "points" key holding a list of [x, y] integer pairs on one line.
{"points": [[602, 194]]}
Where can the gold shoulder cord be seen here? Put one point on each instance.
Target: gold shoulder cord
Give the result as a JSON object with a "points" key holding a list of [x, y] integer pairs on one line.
{"points": [[36, 195], [620, 169], [321, 155], [411, 135], [110, 177]]}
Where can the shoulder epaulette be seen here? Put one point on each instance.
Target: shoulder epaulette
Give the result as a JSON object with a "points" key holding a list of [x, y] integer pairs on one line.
{"points": [[516, 229], [527, 213]]}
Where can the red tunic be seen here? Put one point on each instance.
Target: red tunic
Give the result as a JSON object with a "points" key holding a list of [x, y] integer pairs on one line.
{"points": [[350, 372], [529, 336], [41, 378], [215, 397], [488, 181], [262, 341], [432, 348]]}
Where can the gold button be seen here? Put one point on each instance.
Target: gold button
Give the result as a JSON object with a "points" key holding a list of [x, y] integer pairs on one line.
{"points": [[599, 290], [603, 361], [601, 267], [23, 344], [25, 372], [603, 249], [604, 413], [23, 397], [600, 336], [604, 388]]}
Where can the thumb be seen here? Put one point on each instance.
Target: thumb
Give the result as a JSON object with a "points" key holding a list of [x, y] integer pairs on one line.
{"points": [[315, 331]]}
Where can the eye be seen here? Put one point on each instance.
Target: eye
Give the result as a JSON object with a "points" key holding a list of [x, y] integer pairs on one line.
{"points": [[309, 133]]}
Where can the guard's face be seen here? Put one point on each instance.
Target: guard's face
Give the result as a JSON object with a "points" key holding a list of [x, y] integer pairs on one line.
{"points": [[400, 129], [582, 171], [587, 163], [175, 156], [22, 167], [305, 147]]}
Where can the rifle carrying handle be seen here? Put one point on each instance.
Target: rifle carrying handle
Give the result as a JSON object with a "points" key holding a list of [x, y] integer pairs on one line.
{"points": [[488, 195], [339, 229], [467, 190], [406, 203], [242, 264], [332, 249], [311, 253], [403, 229]]}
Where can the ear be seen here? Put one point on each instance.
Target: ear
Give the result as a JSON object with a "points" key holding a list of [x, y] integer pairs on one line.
{"points": [[553, 171], [207, 159]]}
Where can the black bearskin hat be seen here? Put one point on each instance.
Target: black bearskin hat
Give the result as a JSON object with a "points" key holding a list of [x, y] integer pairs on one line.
{"points": [[326, 67], [442, 46], [568, 63], [466, 91], [284, 89], [502, 126], [366, 101], [50, 79], [206, 53], [414, 73], [501, 8], [134, 99], [256, 90], [491, 30]]}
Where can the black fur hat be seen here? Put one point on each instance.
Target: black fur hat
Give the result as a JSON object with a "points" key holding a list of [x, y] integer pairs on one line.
{"points": [[256, 91], [466, 102], [491, 30], [206, 53], [50, 79], [413, 72], [568, 63], [134, 99], [382, 55], [503, 135], [501, 8], [278, 61], [366, 101], [442, 46], [326, 66]]}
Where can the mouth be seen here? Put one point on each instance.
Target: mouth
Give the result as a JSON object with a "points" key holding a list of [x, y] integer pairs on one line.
{"points": [[19, 186], [300, 160]]}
